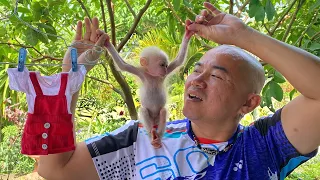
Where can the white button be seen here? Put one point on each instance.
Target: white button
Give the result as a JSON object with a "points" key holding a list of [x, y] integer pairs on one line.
{"points": [[44, 146], [47, 125], [44, 135]]}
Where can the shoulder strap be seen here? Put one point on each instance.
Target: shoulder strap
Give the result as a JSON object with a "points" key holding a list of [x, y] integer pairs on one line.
{"points": [[35, 83], [63, 84]]}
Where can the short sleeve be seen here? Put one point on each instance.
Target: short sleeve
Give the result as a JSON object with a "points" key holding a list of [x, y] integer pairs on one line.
{"points": [[113, 153], [18, 80], [76, 79], [270, 134]]}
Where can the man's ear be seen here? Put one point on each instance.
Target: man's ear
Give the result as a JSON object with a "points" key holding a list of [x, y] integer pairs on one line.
{"points": [[143, 61], [253, 101]]}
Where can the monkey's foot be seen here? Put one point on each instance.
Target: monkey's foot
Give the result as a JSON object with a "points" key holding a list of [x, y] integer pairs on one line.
{"points": [[154, 134], [156, 140], [156, 143]]}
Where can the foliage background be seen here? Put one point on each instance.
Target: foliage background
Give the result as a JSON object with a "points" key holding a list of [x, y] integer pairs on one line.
{"points": [[108, 97]]}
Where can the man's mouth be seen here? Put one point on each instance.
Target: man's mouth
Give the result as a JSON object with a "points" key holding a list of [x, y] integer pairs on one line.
{"points": [[194, 97]]}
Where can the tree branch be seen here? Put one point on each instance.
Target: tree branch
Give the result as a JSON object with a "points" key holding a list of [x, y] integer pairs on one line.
{"points": [[237, 4], [282, 17], [46, 57], [242, 7], [300, 3], [106, 70], [85, 9], [109, 84], [21, 45], [312, 21], [111, 16], [103, 16], [174, 13], [134, 26], [190, 11], [31, 47], [127, 95], [204, 44], [130, 8], [125, 88], [314, 36], [264, 25], [230, 6]]}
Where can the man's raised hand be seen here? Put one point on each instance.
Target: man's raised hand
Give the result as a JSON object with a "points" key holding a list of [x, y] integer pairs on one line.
{"points": [[218, 26]]}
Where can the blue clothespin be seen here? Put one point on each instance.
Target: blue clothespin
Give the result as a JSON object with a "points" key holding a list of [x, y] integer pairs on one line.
{"points": [[22, 59], [74, 62]]}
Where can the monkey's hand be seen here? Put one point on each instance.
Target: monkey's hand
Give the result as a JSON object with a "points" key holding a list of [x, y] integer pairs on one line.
{"points": [[107, 42], [188, 34]]}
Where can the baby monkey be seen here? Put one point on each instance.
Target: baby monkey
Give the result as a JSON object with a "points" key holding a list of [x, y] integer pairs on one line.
{"points": [[152, 72]]}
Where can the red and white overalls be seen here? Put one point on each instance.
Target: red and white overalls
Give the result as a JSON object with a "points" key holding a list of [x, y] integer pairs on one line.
{"points": [[49, 129]]}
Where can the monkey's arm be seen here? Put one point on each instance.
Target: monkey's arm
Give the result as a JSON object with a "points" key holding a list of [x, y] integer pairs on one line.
{"points": [[181, 57], [121, 63]]}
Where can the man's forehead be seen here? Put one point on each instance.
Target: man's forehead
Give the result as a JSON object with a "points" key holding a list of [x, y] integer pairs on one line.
{"points": [[224, 55]]}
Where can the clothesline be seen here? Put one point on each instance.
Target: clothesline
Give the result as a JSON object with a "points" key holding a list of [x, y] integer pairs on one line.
{"points": [[36, 64]]}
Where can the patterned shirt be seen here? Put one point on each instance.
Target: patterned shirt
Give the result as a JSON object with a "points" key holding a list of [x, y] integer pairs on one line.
{"points": [[259, 151]]}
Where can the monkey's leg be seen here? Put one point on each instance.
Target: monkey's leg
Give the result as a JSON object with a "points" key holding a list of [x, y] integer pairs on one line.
{"points": [[146, 119], [162, 121], [148, 123], [161, 127]]}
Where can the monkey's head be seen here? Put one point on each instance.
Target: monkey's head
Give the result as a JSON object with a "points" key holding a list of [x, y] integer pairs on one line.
{"points": [[154, 61]]}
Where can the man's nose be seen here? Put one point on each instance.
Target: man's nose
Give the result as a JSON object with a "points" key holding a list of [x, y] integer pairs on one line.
{"points": [[199, 82]]}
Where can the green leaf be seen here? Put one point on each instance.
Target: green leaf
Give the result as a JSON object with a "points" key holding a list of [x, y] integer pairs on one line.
{"points": [[277, 77], [292, 93], [176, 4], [260, 14], [172, 24], [267, 99], [3, 31], [49, 29], [256, 10], [314, 46], [253, 7], [23, 10], [194, 58], [270, 10], [314, 6], [5, 3], [14, 20], [305, 43], [276, 91], [36, 10], [187, 3], [31, 36], [42, 37]]}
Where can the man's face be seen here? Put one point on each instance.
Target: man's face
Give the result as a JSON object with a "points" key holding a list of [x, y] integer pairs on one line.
{"points": [[215, 90]]}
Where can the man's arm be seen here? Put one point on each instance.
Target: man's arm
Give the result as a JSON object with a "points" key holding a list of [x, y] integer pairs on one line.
{"points": [[182, 54], [75, 164], [71, 165], [121, 63], [300, 117]]}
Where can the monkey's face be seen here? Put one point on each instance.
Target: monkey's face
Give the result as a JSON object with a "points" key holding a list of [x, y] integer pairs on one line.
{"points": [[158, 67], [211, 92]]}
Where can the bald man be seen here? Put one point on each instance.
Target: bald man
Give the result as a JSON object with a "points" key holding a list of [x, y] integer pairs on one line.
{"points": [[210, 143]]}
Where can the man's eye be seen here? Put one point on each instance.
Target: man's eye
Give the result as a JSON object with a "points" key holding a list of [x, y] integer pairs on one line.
{"points": [[216, 76]]}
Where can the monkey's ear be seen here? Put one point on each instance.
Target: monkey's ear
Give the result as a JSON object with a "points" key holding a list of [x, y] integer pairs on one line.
{"points": [[143, 61]]}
